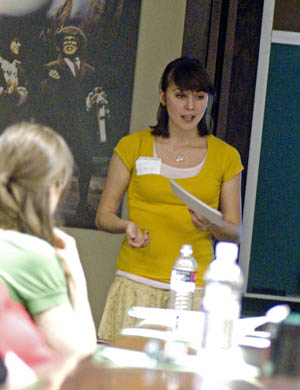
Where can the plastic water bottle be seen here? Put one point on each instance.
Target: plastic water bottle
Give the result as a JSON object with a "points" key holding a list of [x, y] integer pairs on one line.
{"points": [[183, 280], [221, 302]]}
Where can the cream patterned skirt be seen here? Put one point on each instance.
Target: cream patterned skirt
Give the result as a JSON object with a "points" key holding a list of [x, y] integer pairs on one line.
{"points": [[125, 293]]}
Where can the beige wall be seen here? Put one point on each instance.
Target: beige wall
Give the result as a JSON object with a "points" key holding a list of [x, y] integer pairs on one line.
{"points": [[159, 41]]}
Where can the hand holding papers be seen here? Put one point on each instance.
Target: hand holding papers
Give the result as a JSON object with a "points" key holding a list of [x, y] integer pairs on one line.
{"points": [[214, 216]]}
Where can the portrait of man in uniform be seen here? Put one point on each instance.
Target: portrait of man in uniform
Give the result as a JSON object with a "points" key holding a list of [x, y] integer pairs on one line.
{"points": [[71, 102]]}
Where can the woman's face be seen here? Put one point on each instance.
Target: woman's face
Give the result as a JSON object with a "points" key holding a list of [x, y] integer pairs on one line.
{"points": [[15, 46], [185, 107]]}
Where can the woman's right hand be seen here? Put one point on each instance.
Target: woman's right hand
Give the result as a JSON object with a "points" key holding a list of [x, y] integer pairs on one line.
{"points": [[135, 237]]}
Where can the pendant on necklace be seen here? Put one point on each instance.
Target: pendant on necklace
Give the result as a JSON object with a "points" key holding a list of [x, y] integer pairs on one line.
{"points": [[179, 158]]}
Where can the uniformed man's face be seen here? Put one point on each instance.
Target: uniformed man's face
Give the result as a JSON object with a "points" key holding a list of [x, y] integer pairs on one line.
{"points": [[15, 46], [69, 45]]}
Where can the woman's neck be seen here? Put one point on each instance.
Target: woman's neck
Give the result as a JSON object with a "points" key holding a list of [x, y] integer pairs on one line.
{"points": [[182, 134], [183, 137]]}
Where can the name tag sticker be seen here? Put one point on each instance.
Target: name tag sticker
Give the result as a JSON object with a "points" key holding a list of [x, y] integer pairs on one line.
{"points": [[148, 166]]}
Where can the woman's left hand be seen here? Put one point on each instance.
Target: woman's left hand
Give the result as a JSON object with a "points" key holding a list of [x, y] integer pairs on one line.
{"points": [[200, 223], [230, 206]]}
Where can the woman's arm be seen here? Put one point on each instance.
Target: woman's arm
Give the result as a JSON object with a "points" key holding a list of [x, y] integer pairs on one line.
{"points": [[230, 205], [69, 327], [68, 331], [116, 184]]}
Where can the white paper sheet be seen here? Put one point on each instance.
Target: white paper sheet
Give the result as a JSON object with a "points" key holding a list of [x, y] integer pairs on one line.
{"points": [[195, 204]]}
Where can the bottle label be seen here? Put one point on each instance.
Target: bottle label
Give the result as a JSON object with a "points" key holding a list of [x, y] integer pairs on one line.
{"points": [[183, 280], [221, 306], [219, 333]]}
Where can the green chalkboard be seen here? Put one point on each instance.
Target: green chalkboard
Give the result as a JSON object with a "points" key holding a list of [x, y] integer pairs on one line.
{"points": [[275, 252]]}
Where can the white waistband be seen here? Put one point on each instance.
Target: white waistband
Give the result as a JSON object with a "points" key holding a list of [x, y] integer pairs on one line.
{"points": [[146, 281]]}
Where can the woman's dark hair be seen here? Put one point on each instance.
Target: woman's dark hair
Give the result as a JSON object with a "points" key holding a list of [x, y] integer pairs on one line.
{"points": [[7, 34], [187, 73]]}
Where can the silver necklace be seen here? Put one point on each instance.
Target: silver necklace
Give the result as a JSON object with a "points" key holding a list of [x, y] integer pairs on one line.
{"points": [[179, 158]]}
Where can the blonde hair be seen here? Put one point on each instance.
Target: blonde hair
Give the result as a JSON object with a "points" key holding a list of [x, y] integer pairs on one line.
{"points": [[33, 158]]}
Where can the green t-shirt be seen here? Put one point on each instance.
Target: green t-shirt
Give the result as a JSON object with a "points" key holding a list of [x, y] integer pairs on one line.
{"points": [[32, 271]]}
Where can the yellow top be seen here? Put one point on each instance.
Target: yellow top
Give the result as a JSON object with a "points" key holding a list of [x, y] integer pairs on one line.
{"points": [[153, 206]]}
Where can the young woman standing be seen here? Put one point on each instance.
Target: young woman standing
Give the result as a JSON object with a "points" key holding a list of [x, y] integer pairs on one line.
{"points": [[180, 147]]}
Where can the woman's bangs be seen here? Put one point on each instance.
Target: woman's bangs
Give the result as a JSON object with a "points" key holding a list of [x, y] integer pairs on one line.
{"points": [[188, 79]]}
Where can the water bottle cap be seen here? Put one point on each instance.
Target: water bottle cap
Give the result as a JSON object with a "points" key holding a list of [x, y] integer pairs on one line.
{"points": [[227, 251], [186, 250]]}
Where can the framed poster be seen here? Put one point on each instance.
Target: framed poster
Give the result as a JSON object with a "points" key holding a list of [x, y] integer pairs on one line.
{"points": [[70, 65], [270, 246]]}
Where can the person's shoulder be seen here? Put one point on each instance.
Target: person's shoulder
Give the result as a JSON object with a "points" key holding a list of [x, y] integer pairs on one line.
{"points": [[219, 143], [3, 61], [216, 141], [139, 135], [133, 143], [31, 246], [87, 66]]}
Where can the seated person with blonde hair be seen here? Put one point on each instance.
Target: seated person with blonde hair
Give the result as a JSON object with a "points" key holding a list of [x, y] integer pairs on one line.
{"points": [[39, 263]]}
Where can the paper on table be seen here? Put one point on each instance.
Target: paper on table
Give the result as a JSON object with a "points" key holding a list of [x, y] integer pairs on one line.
{"points": [[195, 204]]}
